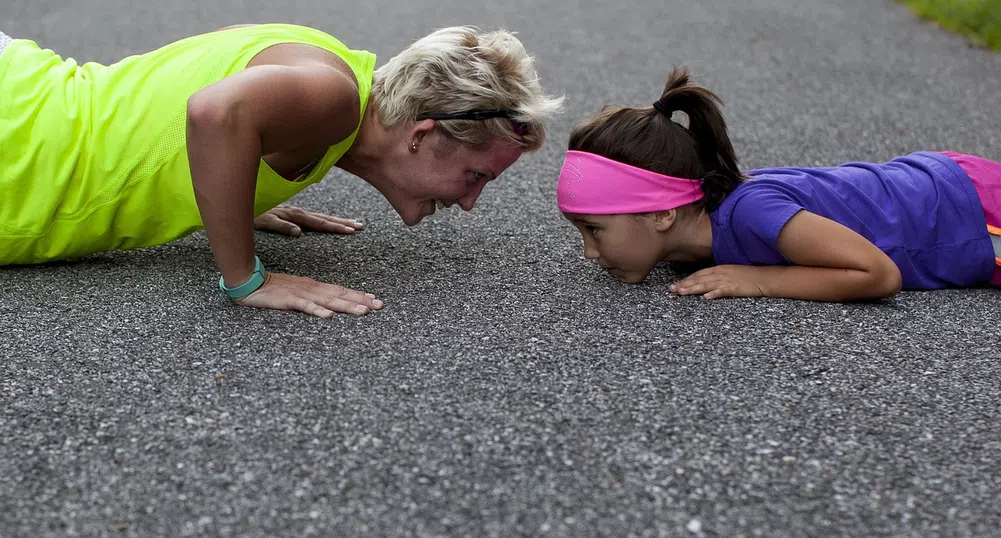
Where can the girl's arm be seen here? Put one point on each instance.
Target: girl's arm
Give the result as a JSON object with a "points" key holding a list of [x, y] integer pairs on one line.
{"points": [[833, 263]]}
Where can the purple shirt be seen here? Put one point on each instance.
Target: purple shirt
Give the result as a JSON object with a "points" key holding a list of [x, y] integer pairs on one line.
{"points": [[921, 210]]}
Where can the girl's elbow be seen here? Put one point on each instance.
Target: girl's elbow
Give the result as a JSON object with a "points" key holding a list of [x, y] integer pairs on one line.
{"points": [[887, 280]]}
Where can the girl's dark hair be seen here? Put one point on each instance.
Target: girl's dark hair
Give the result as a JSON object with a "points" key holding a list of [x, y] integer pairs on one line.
{"points": [[648, 138]]}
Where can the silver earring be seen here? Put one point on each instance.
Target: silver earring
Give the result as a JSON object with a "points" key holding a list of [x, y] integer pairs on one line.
{"points": [[413, 147]]}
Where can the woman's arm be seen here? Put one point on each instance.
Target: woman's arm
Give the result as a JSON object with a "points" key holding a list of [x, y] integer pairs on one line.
{"points": [[263, 110], [231, 124], [833, 263]]}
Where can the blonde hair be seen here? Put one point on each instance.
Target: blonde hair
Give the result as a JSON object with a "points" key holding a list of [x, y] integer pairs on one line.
{"points": [[459, 69]]}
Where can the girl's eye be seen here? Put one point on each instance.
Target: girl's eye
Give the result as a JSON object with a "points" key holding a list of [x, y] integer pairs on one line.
{"points": [[478, 176]]}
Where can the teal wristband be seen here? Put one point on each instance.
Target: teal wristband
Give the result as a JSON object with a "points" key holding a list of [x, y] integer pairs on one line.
{"points": [[255, 281]]}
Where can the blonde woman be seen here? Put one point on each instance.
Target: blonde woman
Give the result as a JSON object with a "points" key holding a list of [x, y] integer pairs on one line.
{"points": [[217, 130]]}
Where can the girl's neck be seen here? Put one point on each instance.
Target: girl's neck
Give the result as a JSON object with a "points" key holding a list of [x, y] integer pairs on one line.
{"points": [[691, 240]]}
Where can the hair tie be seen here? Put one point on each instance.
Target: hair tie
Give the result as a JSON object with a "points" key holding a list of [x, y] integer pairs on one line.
{"points": [[662, 108]]}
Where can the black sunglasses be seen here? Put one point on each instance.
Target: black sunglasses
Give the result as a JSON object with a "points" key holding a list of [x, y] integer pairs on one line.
{"points": [[478, 115]]}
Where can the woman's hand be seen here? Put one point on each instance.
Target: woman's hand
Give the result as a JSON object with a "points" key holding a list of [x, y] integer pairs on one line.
{"points": [[290, 220], [289, 292]]}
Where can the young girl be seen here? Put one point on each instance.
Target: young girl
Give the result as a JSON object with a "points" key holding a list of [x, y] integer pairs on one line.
{"points": [[642, 189]]}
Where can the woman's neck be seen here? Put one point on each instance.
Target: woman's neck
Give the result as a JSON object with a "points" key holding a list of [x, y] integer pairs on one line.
{"points": [[367, 156]]}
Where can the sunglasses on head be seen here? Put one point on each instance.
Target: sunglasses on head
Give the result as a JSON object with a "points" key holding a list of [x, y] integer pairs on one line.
{"points": [[479, 115]]}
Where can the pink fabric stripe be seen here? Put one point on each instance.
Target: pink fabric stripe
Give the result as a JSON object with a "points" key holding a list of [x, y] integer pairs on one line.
{"points": [[593, 185]]}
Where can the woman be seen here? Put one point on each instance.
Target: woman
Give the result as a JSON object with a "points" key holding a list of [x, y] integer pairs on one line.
{"points": [[216, 130]]}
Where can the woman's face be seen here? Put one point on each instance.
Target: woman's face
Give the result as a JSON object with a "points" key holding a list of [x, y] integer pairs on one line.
{"points": [[445, 172]]}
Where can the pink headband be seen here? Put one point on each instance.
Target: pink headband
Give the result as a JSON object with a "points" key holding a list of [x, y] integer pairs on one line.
{"points": [[593, 185]]}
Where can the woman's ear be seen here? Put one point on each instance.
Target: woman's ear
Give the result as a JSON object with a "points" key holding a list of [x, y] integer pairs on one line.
{"points": [[418, 131]]}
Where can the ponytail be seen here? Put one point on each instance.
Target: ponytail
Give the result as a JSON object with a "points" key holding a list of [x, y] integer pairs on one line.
{"points": [[648, 138], [708, 128]]}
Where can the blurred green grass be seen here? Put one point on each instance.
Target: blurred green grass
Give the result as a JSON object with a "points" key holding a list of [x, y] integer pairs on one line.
{"points": [[979, 20]]}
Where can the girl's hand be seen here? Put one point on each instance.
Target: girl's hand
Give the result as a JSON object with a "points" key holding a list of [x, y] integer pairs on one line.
{"points": [[289, 220], [288, 292], [721, 281], [831, 263]]}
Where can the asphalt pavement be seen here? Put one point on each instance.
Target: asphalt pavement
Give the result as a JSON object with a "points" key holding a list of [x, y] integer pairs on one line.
{"points": [[510, 388]]}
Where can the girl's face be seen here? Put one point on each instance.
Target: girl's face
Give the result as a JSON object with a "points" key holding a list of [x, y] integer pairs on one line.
{"points": [[627, 246]]}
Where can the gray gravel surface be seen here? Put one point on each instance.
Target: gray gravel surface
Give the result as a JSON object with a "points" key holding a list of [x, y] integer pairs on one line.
{"points": [[510, 388]]}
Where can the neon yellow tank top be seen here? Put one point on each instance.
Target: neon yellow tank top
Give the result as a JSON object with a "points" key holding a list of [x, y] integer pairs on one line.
{"points": [[93, 157]]}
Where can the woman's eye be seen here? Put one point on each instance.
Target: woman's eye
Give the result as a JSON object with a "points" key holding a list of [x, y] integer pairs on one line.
{"points": [[478, 176], [591, 229]]}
